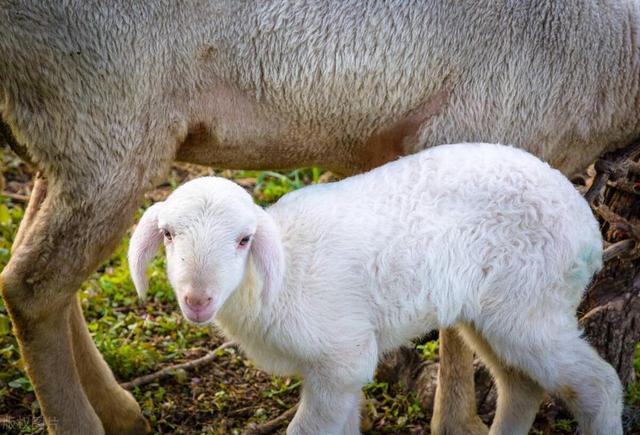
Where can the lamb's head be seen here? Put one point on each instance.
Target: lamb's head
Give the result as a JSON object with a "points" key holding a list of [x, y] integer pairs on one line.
{"points": [[210, 227]]}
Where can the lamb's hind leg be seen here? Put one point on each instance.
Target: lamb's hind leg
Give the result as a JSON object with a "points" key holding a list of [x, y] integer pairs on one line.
{"points": [[72, 231], [519, 396], [557, 358], [455, 411]]}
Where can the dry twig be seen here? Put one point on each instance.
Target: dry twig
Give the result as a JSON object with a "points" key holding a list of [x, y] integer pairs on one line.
{"points": [[618, 249], [169, 371], [611, 168], [617, 222], [272, 425], [15, 196]]}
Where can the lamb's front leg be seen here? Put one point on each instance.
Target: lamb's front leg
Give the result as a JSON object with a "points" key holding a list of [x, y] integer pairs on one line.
{"points": [[327, 408], [332, 391]]}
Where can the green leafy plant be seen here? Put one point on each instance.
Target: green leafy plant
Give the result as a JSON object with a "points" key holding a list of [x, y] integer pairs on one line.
{"points": [[429, 350]]}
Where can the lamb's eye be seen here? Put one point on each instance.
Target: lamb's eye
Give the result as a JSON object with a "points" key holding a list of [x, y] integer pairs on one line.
{"points": [[244, 241], [167, 234]]}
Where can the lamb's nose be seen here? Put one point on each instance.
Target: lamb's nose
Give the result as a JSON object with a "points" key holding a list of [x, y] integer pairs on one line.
{"points": [[197, 302]]}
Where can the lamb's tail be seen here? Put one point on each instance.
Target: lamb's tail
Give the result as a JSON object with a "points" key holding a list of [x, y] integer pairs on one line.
{"points": [[588, 262]]}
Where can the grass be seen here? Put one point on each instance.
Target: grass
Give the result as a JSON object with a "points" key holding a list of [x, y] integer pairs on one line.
{"points": [[137, 339]]}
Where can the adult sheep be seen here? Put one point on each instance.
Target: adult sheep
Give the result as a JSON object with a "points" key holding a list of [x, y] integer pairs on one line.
{"points": [[104, 95]]}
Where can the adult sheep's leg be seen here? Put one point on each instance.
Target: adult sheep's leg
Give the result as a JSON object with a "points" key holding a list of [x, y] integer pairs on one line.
{"points": [[519, 396], [117, 409], [455, 409], [36, 199], [71, 233], [64, 404]]}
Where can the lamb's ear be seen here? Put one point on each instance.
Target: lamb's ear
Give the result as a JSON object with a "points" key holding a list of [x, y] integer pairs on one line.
{"points": [[144, 244], [268, 256]]}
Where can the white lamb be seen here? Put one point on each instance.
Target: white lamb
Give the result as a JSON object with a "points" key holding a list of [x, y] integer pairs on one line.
{"points": [[332, 276]]}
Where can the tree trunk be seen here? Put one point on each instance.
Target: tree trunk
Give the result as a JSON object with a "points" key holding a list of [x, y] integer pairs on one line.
{"points": [[610, 312]]}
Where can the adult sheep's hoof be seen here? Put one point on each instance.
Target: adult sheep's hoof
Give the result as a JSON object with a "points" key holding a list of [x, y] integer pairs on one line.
{"points": [[135, 426], [473, 427], [123, 416]]}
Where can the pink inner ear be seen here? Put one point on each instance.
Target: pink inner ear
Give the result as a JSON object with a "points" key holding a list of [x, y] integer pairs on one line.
{"points": [[268, 256], [145, 241]]}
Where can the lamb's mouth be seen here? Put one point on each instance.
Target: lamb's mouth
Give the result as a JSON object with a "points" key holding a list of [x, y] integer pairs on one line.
{"points": [[199, 317]]}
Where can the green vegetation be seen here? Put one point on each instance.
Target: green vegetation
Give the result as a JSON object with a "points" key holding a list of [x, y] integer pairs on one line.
{"points": [[138, 339], [429, 349]]}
